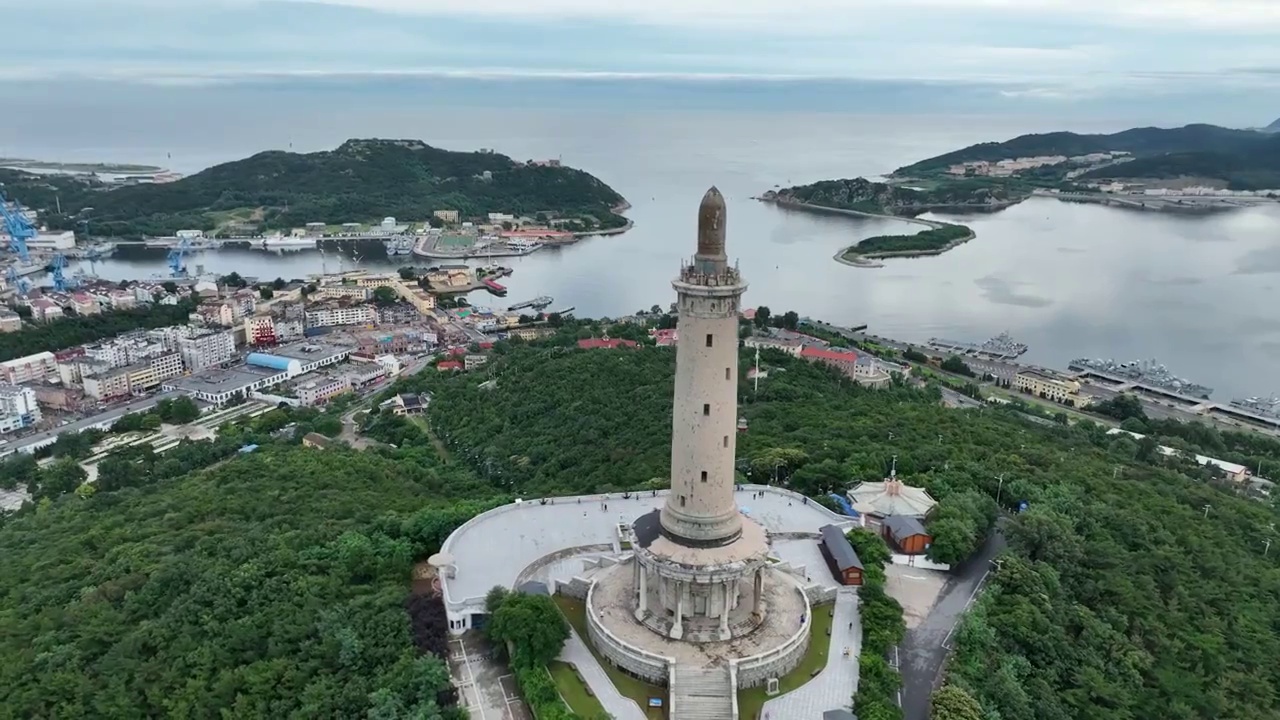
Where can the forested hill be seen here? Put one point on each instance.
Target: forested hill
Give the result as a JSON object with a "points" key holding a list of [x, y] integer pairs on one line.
{"points": [[360, 181], [1205, 151], [1273, 127]]}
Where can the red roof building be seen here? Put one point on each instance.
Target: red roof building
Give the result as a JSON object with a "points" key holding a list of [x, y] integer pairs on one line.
{"points": [[842, 360], [448, 365], [665, 338], [457, 350], [606, 343]]}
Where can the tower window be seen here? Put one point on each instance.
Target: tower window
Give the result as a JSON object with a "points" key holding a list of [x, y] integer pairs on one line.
{"points": [[706, 408], [726, 441], [681, 501], [704, 476], [709, 336], [726, 373]]}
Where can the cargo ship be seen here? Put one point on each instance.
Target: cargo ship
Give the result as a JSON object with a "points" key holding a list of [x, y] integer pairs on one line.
{"points": [[1144, 372], [1000, 347]]}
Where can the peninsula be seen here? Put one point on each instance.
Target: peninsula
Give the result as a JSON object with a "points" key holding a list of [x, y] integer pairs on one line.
{"points": [[361, 179], [1197, 168]]}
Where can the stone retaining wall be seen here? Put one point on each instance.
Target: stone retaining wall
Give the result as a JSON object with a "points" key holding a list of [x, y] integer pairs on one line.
{"points": [[649, 667], [755, 670]]}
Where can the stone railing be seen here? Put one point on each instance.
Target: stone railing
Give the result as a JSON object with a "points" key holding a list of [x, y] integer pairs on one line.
{"points": [[733, 689], [797, 497], [648, 666], [754, 670]]}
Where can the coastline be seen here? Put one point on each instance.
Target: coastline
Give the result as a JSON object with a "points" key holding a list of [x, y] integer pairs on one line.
{"points": [[871, 260]]}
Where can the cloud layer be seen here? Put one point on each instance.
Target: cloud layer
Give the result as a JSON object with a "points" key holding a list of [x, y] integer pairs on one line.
{"points": [[1061, 48]]}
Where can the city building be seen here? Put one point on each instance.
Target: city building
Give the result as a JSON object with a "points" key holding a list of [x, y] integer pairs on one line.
{"points": [[126, 349], [471, 362], [530, 333], [202, 348], [448, 216], [423, 301], [221, 386], [45, 310], [260, 330], [85, 304], [340, 313], [448, 366], [299, 358], [318, 392], [350, 291], [18, 408], [1050, 387], [872, 372], [408, 404], [147, 375], [401, 313], [846, 361], [789, 345], [31, 368], [10, 321], [103, 382]]}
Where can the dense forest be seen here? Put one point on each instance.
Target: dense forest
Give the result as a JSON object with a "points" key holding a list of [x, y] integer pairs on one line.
{"points": [[78, 330], [862, 195], [1245, 159], [274, 584], [360, 181]]}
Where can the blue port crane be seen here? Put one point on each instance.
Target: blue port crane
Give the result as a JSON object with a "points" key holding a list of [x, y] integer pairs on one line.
{"points": [[17, 282], [20, 231], [61, 282], [178, 258]]}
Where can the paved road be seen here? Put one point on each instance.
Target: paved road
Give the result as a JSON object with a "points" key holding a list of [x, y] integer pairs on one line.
{"points": [[922, 654], [953, 399], [618, 707]]}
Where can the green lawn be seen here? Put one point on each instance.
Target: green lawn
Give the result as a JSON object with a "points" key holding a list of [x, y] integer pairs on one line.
{"points": [[638, 690], [574, 691], [751, 700]]}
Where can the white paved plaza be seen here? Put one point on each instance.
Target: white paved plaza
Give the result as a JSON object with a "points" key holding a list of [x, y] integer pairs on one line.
{"points": [[494, 548]]}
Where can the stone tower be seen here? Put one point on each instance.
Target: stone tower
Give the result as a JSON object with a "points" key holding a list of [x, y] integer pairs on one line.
{"points": [[698, 556], [701, 510]]}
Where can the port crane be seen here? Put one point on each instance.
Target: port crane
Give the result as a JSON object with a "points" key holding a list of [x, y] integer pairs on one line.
{"points": [[61, 283], [20, 231], [178, 257]]}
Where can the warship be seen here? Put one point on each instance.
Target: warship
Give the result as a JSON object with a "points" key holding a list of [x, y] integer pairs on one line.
{"points": [[1144, 372], [1268, 406], [1000, 347]]}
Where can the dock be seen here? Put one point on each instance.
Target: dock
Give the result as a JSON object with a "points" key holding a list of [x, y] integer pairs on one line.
{"points": [[537, 303], [494, 286]]}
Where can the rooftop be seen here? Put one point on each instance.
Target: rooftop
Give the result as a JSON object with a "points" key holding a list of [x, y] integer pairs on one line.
{"points": [[221, 380], [891, 497], [840, 548]]}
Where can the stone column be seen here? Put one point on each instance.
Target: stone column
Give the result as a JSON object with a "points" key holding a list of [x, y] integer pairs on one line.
{"points": [[677, 628], [642, 585], [758, 591], [724, 616]]}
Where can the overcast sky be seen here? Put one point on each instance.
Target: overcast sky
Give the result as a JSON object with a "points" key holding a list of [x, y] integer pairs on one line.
{"points": [[1054, 47]]}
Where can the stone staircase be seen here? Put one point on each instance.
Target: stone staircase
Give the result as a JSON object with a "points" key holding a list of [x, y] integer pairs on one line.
{"points": [[702, 693]]}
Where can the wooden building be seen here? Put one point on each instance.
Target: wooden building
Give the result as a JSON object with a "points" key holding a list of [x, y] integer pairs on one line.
{"points": [[906, 533], [840, 556]]}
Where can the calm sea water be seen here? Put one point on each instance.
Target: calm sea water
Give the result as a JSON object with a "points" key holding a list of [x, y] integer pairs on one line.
{"points": [[1197, 293]]}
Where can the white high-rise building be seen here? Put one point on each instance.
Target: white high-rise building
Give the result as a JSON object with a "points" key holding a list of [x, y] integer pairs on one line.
{"points": [[18, 408]]}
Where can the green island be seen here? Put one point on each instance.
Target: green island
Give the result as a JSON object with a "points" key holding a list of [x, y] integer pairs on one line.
{"points": [[280, 583], [360, 181]]}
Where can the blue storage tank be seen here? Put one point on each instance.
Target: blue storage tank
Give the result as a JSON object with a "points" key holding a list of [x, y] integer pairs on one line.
{"points": [[274, 362]]}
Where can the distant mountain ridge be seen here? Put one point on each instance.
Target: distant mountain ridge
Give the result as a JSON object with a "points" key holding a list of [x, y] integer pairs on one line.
{"points": [[1273, 127], [359, 181], [1240, 159]]}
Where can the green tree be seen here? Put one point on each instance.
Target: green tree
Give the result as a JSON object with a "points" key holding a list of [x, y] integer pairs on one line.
{"points": [[532, 626], [762, 316], [953, 703], [266, 293], [60, 478], [385, 296], [279, 284]]}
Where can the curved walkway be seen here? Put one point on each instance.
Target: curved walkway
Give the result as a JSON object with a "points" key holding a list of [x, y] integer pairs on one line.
{"points": [[619, 707]]}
